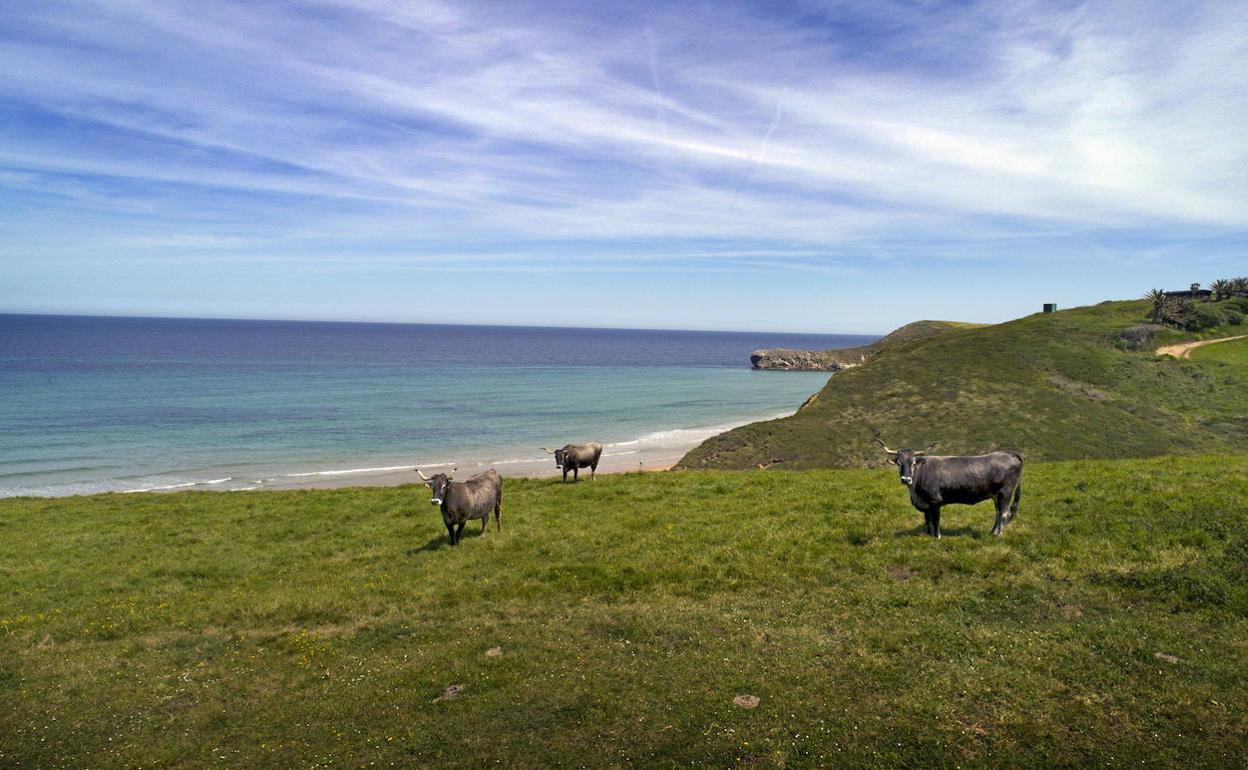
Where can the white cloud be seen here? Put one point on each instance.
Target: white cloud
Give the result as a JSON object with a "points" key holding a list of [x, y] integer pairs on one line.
{"points": [[445, 121]]}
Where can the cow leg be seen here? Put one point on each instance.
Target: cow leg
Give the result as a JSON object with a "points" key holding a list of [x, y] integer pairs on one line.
{"points": [[485, 523], [936, 521], [498, 516], [450, 533], [565, 475], [593, 472], [1002, 503], [1018, 493], [927, 521], [576, 473]]}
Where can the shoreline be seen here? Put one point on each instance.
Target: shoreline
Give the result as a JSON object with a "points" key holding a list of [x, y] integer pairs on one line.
{"points": [[653, 451], [521, 469]]}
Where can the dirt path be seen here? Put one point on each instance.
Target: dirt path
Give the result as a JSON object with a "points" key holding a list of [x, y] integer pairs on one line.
{"points": [[1185, 350]]}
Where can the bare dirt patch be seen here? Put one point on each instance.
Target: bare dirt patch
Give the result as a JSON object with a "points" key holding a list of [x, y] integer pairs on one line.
{"points": [[451, 692], [899, 573], [1185, 349], [1077, 388]]}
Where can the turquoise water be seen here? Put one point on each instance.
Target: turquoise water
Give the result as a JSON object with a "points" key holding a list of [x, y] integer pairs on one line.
{"points": [[121, 404]]}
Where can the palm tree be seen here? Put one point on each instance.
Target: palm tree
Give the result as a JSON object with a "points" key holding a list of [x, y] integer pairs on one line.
{"points": [[1239, 285], [1221, 289], [1159, 299]]}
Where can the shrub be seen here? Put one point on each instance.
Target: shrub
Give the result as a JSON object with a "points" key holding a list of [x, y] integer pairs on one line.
{"points": [[1176, 311], [1232, 316], [1137, 337], [1201, 315], [1235, 303]]}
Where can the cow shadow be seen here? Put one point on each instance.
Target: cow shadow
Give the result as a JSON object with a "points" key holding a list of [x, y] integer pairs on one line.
{"points": [[438, 542], [921, 531]]}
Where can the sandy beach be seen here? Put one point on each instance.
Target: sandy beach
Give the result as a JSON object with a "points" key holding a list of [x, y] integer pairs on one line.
{"points": [[630, 462], [657, 451]]}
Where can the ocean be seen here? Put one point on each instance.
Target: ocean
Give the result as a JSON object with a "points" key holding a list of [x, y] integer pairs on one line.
{"points": [[98, 404]]}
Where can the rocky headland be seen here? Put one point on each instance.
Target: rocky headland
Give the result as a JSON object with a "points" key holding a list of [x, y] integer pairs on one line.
{"points": [[787, 359]]}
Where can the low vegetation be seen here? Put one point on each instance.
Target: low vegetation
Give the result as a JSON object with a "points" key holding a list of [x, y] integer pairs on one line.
{"points": [[1226, 307], [765, 619], [1081, 383]]}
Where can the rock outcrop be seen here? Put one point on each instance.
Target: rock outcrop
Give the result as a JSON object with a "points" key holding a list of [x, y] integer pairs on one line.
{"points": [[807, 360]]}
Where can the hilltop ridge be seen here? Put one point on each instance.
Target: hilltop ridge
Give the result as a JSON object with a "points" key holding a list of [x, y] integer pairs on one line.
{"points": [[836, 359]]}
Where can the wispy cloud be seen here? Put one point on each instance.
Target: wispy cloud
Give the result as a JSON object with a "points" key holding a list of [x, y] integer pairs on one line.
{"points": [[882, 128]]}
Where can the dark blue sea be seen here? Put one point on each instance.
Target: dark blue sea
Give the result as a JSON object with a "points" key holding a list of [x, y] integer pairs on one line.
{"points": [[91, 404]]}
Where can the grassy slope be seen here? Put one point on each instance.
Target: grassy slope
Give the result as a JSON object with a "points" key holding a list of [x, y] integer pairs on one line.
{"points": [[315, 628], [1054, 386]]}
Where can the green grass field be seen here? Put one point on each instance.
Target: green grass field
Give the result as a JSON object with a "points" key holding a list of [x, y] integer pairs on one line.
{"points": [[1056, 386], [1233, 355], [318, 628]]}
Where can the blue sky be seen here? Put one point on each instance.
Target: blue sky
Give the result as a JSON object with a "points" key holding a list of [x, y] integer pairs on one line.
{"points": [[822, 166]]}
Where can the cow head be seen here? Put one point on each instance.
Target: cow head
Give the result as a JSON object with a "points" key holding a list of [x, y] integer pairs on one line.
{"points": [[439, 484], [558, 453], [908, 461]]}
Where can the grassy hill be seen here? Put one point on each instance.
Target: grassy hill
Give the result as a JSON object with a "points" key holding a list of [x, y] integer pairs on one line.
{"points": [[1055, 386], [319, 628]]}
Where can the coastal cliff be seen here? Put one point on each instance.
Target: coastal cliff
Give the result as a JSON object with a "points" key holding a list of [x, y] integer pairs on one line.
{"points": [[787, 359]]}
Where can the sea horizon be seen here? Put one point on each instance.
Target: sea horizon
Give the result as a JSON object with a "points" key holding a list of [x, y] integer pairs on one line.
{"points": [[127, 403], [468, 324]]}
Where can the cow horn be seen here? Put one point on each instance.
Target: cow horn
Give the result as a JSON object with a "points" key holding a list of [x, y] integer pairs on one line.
{"points": [[930, 447], [548, 451], [423, 477], [451, 476], [886, 449]]}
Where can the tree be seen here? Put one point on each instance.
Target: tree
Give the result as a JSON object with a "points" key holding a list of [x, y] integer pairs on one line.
{"points": [[1222, 289], [1160, 300], [1239, 285]]}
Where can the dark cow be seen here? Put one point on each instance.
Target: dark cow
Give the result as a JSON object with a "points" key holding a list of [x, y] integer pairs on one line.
{"points": [[938, 481], [573, 457], [464, 500]]}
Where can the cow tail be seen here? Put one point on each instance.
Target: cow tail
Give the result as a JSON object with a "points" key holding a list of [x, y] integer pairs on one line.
{"points": [[498, 509], [1018, 486]]}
